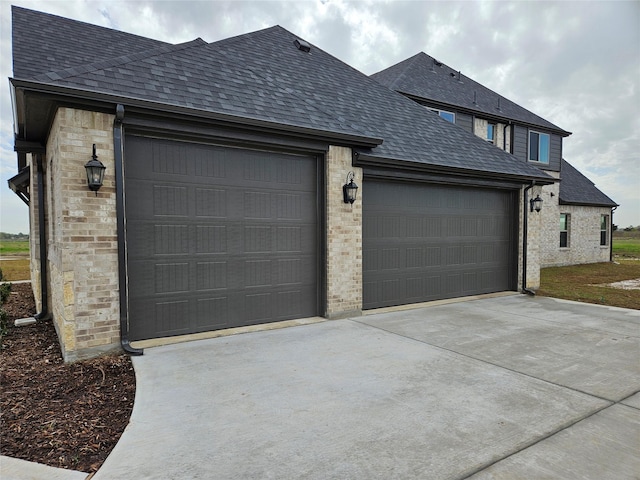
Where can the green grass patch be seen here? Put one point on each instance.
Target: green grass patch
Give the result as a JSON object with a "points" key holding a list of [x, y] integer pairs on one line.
{"points": [[626, 246], [586, 283], [14, 247]]}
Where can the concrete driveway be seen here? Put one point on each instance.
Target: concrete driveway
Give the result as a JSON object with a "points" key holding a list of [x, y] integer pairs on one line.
{"points": [[513, 387]]}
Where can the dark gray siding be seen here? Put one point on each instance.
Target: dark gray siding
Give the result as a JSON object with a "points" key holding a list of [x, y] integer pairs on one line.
{"points": [[555, 153], [521, 148], [465, 121]]}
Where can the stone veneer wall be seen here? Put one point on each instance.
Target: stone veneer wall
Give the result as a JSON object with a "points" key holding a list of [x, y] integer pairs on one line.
{"points": [[344, 238], [584, 231], [82, 235]]}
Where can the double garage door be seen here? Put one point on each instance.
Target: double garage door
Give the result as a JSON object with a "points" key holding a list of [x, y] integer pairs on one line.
{"points": [[424, 242], [218, 237]]}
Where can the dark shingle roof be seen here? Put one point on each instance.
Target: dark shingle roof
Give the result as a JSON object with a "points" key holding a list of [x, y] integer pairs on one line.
{"points": [[44, 42], [424, 77], [576, 189], [263, 76]]}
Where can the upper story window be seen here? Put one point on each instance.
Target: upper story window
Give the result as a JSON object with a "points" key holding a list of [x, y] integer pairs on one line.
{"points": [[449, 116], [491, 132], [604, 230], [565, 218], [538, 147]]}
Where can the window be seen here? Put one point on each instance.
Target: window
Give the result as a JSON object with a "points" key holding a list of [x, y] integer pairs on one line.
{"points": [[491, 132], [564, 230], [538, 147], [604, 230], [449, 116]]}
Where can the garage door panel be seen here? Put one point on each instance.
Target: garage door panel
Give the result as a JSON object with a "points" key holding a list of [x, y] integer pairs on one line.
{"points": [[426, 242], [225, 237]]}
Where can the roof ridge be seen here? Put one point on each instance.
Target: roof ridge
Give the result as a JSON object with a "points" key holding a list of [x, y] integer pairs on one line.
{"points": [[410, 64], [288, 90], [113, 62], [236, 38]]}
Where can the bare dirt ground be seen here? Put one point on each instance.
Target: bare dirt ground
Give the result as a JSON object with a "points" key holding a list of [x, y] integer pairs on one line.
{"points": [[62, 415]]}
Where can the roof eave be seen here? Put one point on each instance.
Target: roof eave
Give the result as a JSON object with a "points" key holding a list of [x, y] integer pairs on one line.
{"points": [[81, 95], [587, 204], [496, 117], [365, 159]]}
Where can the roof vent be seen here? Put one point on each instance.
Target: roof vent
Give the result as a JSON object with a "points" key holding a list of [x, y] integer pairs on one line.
{"points": [[302, 45]]}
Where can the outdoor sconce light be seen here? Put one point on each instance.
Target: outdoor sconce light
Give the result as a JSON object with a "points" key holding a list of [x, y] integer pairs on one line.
{"points": [[95, 172], [536, 203], [350, 189]]}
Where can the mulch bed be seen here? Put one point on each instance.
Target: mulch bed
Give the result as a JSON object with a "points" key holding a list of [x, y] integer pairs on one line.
{"points": [[62, 415]]}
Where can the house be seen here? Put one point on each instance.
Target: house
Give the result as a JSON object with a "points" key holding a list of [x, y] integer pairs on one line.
{"points": [[224, 199], [577, 217]]}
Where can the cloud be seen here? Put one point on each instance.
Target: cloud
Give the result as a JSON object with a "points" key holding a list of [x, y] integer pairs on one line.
{"points": [[576, 64]]}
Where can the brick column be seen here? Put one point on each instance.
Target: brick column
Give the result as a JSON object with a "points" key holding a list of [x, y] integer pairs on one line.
{"points": [[82, 235], [344, 238]]}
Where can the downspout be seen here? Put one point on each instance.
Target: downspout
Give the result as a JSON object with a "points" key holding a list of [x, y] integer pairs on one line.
{"points": [[44, 289], [525, 221], [611, 234], [504, 137], [118, 153]]}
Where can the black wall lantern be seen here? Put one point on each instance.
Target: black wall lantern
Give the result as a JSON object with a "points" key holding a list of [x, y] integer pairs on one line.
{"points": [[536, 203], [350, 189], [95, 172]]}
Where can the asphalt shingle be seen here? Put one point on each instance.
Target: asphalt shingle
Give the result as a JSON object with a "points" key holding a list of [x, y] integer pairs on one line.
{"points": [[44, 43], [425, 77], [576, 189], [263, 76]]}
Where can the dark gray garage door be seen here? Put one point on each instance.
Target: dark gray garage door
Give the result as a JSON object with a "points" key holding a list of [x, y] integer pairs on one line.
{"points": [[424, 242], [217, 237]]}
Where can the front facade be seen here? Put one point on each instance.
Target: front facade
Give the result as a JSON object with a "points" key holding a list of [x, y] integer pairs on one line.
{"points": [[572, 206], [224, 208]]}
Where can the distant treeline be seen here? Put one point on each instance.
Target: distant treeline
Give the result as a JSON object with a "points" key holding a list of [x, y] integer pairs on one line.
{"points": [[14, 236]]}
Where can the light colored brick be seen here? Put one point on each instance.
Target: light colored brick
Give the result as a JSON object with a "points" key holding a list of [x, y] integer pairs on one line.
{"points": [[344, 237], [82, 246]]}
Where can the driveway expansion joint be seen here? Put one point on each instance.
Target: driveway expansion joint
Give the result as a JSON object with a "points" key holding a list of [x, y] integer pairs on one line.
{"points": [[466, 355]]}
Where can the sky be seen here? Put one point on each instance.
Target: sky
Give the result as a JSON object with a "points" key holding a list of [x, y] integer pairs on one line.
{"points": [[576, 64]]}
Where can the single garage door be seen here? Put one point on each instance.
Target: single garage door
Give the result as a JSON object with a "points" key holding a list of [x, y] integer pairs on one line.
{"points": [[217, 237], [424, 242]]}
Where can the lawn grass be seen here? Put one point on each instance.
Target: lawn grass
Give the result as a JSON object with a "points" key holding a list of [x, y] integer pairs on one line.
{"points": [[626, 247], [13, 270], [584, 283], [14, 247]]}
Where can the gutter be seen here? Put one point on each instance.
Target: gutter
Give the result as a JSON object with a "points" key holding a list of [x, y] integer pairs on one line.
{"points": [[525, 222], [342, 138], [121, 222], [365, 159], [44, 289]]}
